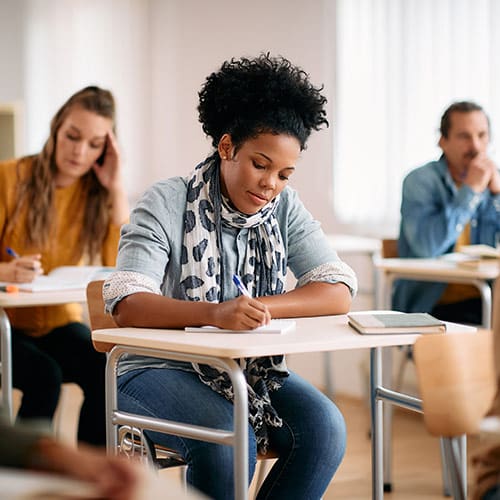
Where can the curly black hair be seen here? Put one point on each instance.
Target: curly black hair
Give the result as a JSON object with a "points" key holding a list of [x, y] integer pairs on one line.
{"points": [[247, 97]]}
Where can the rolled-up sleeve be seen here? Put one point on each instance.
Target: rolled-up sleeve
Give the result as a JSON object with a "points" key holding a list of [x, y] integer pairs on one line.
{"points": [[123, 283], [332, 272]]}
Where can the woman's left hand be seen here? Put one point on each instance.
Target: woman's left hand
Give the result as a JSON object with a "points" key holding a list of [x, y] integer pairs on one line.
{"points": [[109, 173]]}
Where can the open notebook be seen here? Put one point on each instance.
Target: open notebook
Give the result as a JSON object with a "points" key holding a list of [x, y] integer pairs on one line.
{"points": [[64, 278]]}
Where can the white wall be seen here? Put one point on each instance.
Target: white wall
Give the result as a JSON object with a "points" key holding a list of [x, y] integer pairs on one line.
{"points": [[69, 45], [155, 55], [11, 50], [191, 39]]}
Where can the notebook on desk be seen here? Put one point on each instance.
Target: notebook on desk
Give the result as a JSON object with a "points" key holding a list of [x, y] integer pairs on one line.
{"points": [[276, 326], [64, 278]]}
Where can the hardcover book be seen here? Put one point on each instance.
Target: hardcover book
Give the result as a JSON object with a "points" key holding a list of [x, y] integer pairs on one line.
{"points": [[386, 323]]}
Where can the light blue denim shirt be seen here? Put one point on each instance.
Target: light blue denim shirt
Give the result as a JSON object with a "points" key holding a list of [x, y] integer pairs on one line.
{"points": [[434, 211], [150, 249]]}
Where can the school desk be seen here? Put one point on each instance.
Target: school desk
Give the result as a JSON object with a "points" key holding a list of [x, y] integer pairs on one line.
{"points": [[319, 334], [440, 270]]}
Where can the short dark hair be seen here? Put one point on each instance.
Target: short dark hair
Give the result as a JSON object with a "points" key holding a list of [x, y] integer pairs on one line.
{"points": [[459, 107], [247, 97]]}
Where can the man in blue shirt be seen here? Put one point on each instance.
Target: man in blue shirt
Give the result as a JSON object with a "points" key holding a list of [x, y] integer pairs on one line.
{"points": [[446, 203]]}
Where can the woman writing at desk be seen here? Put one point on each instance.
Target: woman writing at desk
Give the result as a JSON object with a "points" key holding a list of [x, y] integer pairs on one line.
{"points": [[235, 214], [63, 206]]}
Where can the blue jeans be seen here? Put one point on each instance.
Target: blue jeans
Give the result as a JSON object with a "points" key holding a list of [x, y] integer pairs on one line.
{"points": [[310, 444]]}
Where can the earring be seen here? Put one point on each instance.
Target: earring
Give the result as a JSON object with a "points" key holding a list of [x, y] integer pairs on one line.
{"points": [[224, 157]]}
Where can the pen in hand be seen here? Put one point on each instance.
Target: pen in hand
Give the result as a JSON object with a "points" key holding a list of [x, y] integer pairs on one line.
{"points": [[31, 263], [241, 287], [12, 253], [244, 291]]}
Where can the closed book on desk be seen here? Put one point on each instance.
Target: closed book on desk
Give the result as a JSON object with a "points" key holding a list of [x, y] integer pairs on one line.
{"points": [[398, 323], [485, 265], [480, 251]]}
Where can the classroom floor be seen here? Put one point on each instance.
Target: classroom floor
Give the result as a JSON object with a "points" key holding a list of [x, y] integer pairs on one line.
{"points": [[416, 458]]}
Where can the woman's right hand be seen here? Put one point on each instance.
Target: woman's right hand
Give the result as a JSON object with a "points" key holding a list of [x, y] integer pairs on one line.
{"points": [[24, 269], [242, 313]]}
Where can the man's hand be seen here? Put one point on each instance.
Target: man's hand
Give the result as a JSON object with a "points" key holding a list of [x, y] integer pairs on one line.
{"points": [[480, 172], [494, 185]]}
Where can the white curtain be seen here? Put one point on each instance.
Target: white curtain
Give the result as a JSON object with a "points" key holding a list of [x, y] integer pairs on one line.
{"points": [[72, 44], [399, 64]]}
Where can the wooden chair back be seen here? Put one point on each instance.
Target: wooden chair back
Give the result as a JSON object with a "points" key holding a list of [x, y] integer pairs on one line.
{"points": [[495, 407], [496, 322], [456, 378], [389, 248], [98, 318]]}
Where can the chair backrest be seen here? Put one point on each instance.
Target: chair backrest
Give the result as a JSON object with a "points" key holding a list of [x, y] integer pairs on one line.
{"points": [[97, 316], [389, 248], [495, 407], [496, 322], [456, 379]]}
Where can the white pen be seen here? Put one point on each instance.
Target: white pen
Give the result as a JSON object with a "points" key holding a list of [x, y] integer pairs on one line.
{"points": [[241, 287]]}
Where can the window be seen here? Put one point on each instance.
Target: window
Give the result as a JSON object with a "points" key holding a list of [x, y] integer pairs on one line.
{"points": [[399, 64]]}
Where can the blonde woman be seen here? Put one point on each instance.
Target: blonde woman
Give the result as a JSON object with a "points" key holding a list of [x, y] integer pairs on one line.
{"points": [[63, 206]]}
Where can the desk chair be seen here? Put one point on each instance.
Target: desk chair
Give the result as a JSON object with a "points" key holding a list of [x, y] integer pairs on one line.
{"points": [[457, 383], [132, 440]]}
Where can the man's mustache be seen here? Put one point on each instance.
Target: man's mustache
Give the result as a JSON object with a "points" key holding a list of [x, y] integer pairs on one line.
{"points": [[471, 154]]}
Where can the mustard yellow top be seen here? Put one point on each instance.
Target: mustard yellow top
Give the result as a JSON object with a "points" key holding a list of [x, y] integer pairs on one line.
{"points": [[65, 232]]}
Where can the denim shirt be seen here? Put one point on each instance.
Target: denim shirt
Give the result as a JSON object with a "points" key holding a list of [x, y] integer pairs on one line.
{"points": [[150, 247], [434, 212]]}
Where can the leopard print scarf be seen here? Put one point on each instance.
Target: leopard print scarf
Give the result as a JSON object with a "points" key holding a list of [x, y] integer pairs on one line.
{"points": [[263, 273]]}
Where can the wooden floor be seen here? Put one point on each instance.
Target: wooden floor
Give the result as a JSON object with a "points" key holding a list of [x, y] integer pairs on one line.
{"points": [[416, 458]]}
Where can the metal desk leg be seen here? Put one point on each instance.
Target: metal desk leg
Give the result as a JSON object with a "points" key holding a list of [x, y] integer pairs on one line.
{"points": [[238, 438], [462, 443], [486, 308], [376, 423], [387, 382], [327, 368], [387, 413], [6, 362], [445, 473]]}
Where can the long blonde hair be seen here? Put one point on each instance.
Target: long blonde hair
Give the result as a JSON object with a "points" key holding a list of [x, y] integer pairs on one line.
{"points": [[37, 190]]}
